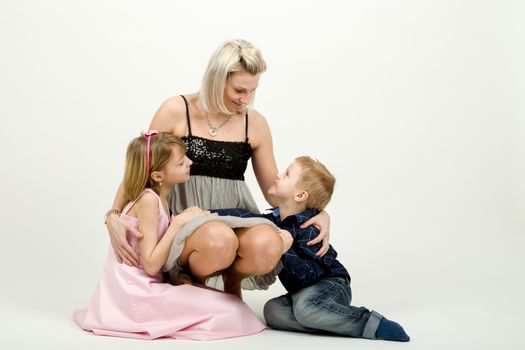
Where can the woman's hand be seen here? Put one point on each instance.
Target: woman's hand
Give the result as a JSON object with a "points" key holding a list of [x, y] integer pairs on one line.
{"points": [[187, 215], [287, 239], [118, 229], [322, 222]]}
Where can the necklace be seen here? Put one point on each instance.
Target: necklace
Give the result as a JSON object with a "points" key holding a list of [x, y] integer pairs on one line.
{"points": [[215, 130]]}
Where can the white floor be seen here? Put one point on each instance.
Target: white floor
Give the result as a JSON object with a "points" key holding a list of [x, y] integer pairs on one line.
{"points": [[445, 311]]}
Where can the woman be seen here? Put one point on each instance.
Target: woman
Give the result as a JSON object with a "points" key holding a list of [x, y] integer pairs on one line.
{"points": [[221, 134]]}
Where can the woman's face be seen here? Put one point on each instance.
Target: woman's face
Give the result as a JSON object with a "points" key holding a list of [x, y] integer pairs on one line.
{"points": [[239, 90]]}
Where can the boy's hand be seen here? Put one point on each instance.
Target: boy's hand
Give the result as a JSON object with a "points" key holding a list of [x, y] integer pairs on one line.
{"points": [[287, 239]]}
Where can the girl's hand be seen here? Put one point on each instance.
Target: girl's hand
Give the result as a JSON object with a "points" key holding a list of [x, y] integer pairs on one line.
{"points": [[118, 229], [322, 222], [187, 215], [286, 238]]}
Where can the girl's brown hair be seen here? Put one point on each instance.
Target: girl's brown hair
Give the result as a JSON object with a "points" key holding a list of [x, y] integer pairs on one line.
{"points": [[136, 175]]}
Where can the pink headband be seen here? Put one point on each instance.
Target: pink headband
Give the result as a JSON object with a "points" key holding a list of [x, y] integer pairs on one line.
{"points": [[148, 135]]}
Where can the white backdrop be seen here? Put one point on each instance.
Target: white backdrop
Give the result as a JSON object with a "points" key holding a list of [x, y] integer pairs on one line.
{"points": [[417, 107]]}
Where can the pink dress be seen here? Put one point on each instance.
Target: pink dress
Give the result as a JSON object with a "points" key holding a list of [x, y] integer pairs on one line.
{"points": [[127, 302]]}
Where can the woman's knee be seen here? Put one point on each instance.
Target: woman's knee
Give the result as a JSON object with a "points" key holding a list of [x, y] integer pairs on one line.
{"points": [[220, 237], [217, 241], [264, 247]]}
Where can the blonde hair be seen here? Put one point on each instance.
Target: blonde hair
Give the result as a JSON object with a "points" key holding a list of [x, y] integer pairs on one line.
{"points": [[230, 58], [136, 175], [317, 181]]}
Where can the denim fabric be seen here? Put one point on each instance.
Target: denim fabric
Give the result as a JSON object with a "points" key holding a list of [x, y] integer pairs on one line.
{"points": [[322, 308]]}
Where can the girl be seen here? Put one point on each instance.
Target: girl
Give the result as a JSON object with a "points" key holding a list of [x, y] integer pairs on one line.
{"points": [[132, 301]]}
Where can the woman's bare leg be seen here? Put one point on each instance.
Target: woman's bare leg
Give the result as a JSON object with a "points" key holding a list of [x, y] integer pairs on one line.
{"points": [[211, 248], [260, 248]]}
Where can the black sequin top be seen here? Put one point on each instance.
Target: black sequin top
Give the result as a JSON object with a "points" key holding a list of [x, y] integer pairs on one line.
{"points": [[223, 159]]}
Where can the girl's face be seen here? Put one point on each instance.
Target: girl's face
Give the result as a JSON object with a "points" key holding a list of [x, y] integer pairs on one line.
{"points": [[177, 170], [239, 90]]}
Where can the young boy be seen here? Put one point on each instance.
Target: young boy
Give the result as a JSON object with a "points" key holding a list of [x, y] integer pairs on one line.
{"points": [[319, 294]]}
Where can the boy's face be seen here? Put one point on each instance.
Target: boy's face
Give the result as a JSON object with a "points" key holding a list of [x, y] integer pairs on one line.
{"points": [[285, 184]]}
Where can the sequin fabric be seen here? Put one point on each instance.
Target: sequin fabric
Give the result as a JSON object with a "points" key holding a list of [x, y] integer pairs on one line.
{"points": [[222, 159]]}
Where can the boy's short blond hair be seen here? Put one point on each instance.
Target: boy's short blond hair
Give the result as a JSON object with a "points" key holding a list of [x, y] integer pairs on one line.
{"points": [[317, 181]]}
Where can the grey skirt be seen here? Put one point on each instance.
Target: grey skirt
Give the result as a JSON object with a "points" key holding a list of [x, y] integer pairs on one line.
{"points": [[211, 193], [214, 193]]}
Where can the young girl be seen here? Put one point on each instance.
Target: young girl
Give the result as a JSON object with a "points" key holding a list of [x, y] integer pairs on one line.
{"points": [[132, 301]]}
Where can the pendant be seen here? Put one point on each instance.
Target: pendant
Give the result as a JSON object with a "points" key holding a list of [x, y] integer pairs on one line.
{"points": [[212, 132]]}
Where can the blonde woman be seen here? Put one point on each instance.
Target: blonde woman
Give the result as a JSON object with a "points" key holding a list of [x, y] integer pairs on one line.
{"points": [[221, 132]]}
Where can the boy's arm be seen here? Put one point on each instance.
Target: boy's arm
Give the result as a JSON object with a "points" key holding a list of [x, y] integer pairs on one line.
{"points": [[301, 263], [238, 212], [299, 270], [301, 238]]}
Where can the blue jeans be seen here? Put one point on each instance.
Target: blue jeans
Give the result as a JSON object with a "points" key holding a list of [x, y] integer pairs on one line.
{"points": [[322, 308]]}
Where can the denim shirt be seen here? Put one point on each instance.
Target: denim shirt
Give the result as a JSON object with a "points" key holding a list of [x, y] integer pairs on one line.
{"points": [[301, 267]]}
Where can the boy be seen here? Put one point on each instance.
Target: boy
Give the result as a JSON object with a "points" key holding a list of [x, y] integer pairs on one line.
{"points": [[319, 294]]}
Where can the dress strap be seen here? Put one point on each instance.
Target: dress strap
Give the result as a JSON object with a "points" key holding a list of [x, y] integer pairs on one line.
{"points": [[187, 114], [132, 203], [246, 125]]}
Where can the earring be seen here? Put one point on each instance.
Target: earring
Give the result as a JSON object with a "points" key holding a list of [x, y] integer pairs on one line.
{"points": [[160, 184]]}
